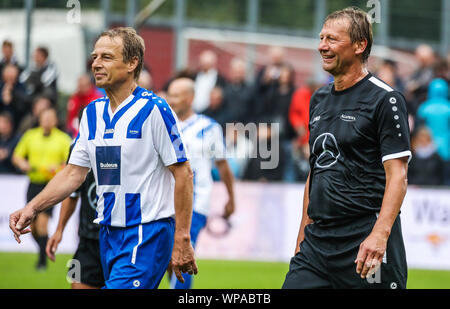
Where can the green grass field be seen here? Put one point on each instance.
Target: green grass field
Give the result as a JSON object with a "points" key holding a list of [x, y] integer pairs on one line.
{"points": [[17, 272]]}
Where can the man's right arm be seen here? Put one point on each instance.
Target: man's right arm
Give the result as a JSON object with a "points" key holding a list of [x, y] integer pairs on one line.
{"points": [[60, 187], [305, 219]]}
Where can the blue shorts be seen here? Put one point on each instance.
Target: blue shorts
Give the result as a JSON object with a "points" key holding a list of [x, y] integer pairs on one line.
{"points": [[136, 257]]}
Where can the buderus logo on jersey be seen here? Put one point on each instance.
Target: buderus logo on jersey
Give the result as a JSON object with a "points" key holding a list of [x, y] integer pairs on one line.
{"points": [[326, 149], [108, 165]]}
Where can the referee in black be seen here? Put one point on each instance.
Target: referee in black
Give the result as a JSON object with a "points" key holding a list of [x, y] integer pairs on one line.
{"points": [[350, 234]]}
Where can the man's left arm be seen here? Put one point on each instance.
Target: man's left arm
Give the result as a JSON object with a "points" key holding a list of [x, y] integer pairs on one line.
{"points": [[227, 177], [183, 260], [169, 144], [373, 248]]}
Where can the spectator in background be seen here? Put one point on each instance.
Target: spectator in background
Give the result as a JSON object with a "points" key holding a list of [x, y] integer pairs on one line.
{"points": [[207, 78], [8, 56], [442, 70], [41, 153], [271, 72], [266, 77], [276, 102], [237, 93], [299, 115], [388, 73], [254, 170], [13, 96], [145, 80], [184, 73], [426, 166], [31, 120], [86, 92], [435, 114], [217, 110], [448, 66], [299, 120], [417, 84], [239, 150], [41, 79], [8, 141]]}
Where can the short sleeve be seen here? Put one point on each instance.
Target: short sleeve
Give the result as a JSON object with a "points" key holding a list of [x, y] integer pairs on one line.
{"points": [[167, 138], [393, 127], [80, 155]]}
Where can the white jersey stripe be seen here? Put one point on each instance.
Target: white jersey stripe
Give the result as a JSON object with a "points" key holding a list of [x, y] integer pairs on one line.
{"points": [[133, 258], [380, 84], [398, 155]]}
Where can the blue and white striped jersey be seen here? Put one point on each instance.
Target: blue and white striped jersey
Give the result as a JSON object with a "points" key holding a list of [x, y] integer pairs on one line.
{"points": [[128, 151], [204, 141]]}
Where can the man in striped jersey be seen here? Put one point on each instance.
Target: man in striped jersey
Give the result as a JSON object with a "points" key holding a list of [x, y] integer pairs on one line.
{"points": [[130, 139], [359, 142], [204, 140]]}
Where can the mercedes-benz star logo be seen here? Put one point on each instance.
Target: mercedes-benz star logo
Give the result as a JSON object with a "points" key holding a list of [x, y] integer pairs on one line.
{"points": [[326, 149]]}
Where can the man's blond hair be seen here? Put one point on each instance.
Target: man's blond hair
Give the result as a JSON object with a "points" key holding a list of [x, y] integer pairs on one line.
{"points": [[360, 27]]}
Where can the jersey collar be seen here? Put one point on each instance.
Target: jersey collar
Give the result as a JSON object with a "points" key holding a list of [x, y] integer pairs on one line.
{"points": [[333, 91], [188, 122], [121, 109]]}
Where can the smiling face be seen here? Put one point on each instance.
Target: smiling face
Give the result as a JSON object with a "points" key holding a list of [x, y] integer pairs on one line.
{"points": [[336, 48], [108, 66]]}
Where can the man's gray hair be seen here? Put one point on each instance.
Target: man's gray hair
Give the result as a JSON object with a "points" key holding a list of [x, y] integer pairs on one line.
{"points": [[133, 46]]}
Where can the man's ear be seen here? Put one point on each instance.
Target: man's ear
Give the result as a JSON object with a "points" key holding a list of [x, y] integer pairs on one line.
{"points": [[360, 47], [132, 65]]}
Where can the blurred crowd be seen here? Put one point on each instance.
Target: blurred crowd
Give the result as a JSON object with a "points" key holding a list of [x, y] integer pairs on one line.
{"points": [[270, 97]]}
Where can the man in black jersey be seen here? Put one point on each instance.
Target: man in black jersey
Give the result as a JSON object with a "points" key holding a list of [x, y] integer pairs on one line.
{"points": [[88, 252], [350, 234]]}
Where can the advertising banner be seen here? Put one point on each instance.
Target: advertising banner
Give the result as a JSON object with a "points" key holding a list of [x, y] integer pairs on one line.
{"points": [[265, 224], [13, 191], [267, 218]]}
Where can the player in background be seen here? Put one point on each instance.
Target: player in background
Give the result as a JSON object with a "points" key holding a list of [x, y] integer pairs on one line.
{"points": [[359, 141], [204, 140], [41, 153], [88, 250], [131, 141]]}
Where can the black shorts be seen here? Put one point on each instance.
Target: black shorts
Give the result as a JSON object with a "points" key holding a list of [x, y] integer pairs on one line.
{"points": [[327, 255], [33, 190], [88, 255]]}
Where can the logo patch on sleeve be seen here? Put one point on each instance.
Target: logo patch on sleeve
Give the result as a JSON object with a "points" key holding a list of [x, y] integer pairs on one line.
{"points": [[108, 165]]}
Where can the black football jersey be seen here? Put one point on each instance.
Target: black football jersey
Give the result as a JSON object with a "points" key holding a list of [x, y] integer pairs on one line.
{"points": [[87, 192], [352, 132]]}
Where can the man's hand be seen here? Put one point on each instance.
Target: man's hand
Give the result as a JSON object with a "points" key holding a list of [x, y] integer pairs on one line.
{"points": [[229, 209], [52, 244], [370, 255], [183, 260], [20, 220]]}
